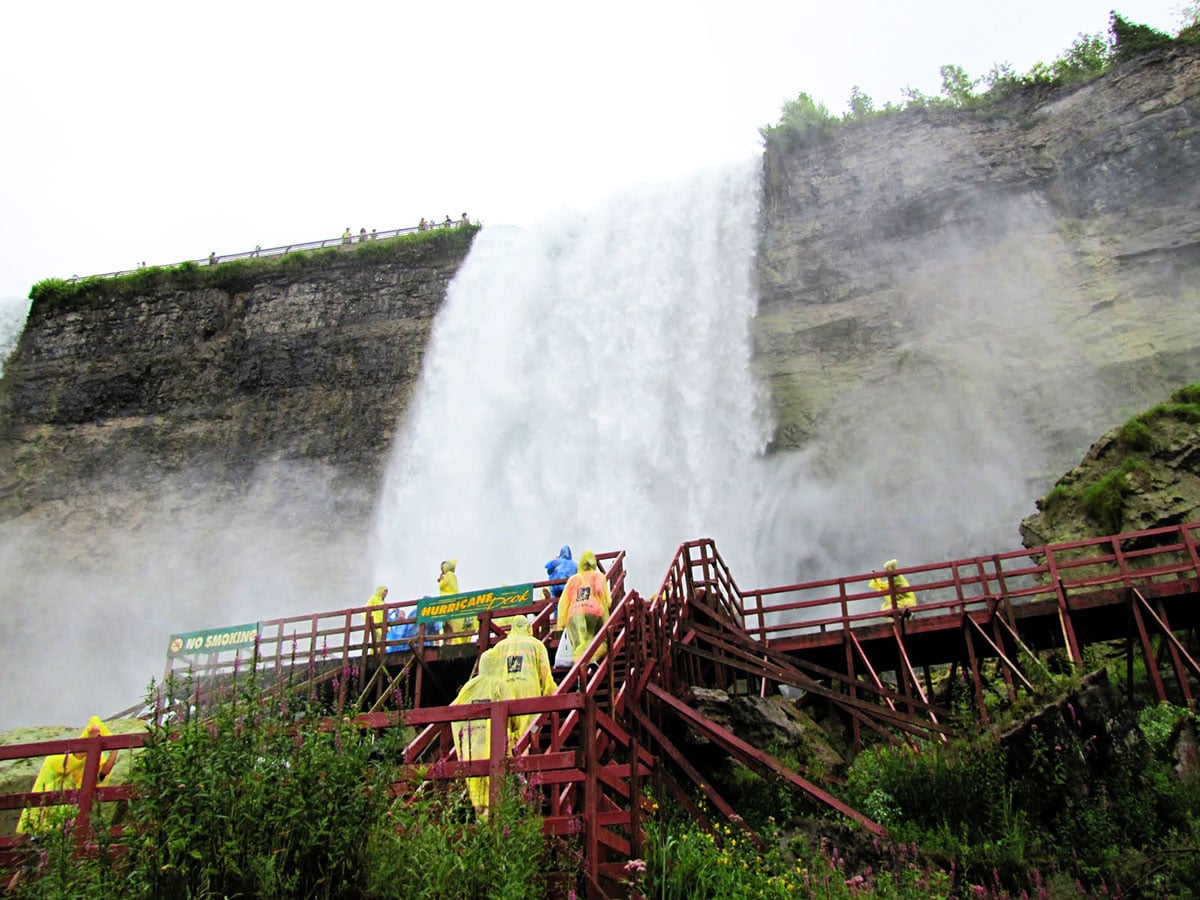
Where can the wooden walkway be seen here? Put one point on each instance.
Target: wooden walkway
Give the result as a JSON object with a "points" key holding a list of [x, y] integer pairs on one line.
{"points": [[607, 730]]}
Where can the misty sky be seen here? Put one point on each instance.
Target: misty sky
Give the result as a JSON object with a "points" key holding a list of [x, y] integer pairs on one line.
{"points": [[157, 132]]}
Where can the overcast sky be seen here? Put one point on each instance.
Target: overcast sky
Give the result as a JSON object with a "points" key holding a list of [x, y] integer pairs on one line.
{"points": [[162, 131]]}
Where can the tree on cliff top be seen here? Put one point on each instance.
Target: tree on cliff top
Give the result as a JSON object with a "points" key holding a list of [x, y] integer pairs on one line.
{"points": [[1131, 39]]}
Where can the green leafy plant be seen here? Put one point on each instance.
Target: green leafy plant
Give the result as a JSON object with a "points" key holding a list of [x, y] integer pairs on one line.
{"points": [[1131, 40], [861, 105], [803, 122], [1157, 723], [429, 847], [262, 798]]}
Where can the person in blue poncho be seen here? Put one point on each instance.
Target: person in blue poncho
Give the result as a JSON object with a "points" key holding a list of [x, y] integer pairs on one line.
{"points": [[402, 629], [562, 566]]}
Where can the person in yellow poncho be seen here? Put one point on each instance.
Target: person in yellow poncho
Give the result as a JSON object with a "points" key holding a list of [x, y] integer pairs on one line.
{"points": [[376, 616], [526, 665], [473, 737], [904, 597], [64, 772], [584, 605], [466, 627]]}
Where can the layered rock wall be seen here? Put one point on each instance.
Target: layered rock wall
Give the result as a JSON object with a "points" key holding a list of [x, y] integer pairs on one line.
{"points": [[314, 366], [1041, 255]]}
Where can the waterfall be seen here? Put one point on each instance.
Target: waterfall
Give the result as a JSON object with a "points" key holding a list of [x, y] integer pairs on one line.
{"points": [[587, 383]]}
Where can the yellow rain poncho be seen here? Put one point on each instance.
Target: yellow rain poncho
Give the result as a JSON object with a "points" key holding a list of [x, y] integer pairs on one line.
{"points": [[64, 772], [473, 737], [904, 597], [584, 606], [376, 614], [526, 665], [467, 627]]}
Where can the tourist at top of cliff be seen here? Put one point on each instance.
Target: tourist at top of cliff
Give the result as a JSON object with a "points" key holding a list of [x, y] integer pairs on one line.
{"points": [[362, 235], [448, 221], [464, 220], [346, 236], [422, 225]]}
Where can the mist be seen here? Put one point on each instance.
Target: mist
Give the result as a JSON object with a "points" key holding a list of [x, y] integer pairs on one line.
{"points": [[13, 311], [94, 585], [973, 401]]}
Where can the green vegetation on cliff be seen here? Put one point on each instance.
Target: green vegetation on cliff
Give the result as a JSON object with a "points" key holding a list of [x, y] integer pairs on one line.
{"points": [[804, 120], [56, 295], [1142, 474]]}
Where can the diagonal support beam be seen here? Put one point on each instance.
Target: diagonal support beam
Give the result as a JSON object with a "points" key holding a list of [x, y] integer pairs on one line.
{"points": [[1160, 691], [912, 675], [870, 714], [719, 803], [759, 760], [1003, 657], [1180, 658], [976, 676]]}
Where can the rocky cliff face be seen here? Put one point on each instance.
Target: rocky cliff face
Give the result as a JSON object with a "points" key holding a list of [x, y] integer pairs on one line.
{"points": [[1039, 259], [1144, 474], [314, 366], [171, 457]]}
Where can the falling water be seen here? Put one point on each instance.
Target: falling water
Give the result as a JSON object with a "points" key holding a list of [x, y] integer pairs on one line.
{"points": [[587, 383], [12, 319]]}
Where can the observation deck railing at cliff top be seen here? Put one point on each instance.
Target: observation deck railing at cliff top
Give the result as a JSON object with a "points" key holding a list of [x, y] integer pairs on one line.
{"points": [[339, 241]]}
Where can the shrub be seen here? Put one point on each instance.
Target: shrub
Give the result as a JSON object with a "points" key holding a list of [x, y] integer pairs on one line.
{"points": [[267, 798], [1158, 722], [861, 106], [1131, 39], [1188, 395], [803, 122], [51, 292], [262, 799], [295, 262], [957, 86], [428, 848]]}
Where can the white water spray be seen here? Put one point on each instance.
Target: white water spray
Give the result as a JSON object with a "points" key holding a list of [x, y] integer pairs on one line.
{"points": [[587, 383], [13, 311]]}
